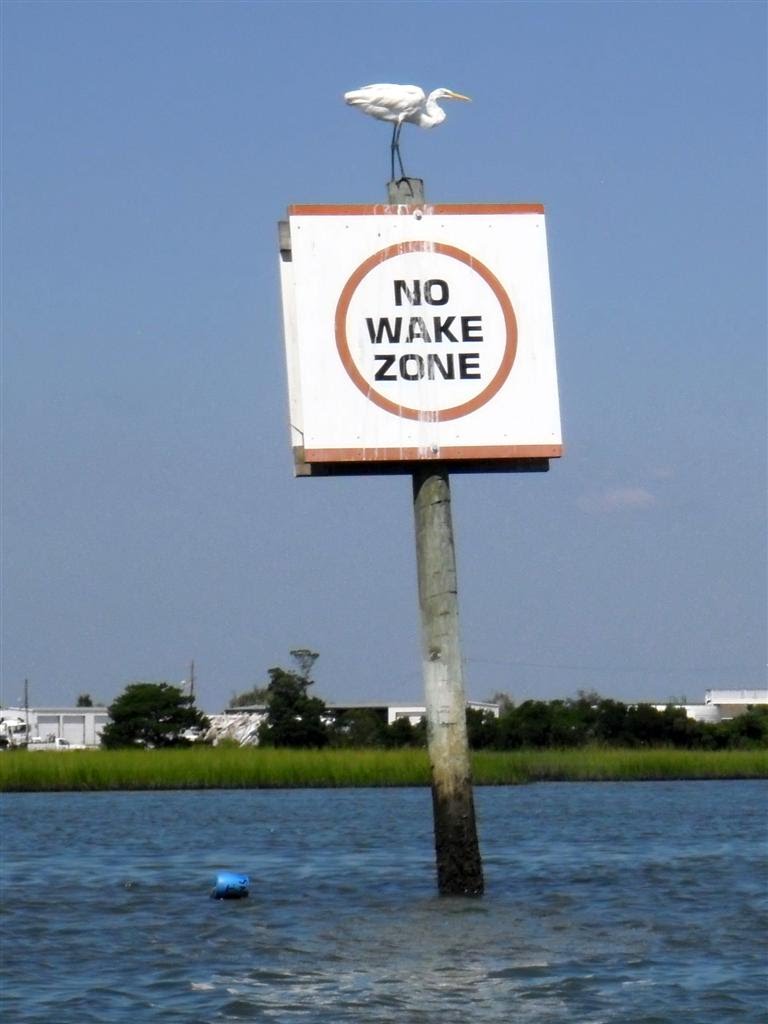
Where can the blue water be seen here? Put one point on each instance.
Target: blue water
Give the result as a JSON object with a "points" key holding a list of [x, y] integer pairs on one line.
{"points": [[642, 903]]}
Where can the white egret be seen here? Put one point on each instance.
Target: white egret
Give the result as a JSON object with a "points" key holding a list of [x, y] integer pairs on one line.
{"points": [[401, 103]]}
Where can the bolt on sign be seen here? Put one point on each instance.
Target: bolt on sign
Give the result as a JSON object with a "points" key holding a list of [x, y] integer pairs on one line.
{"points": [[419, 333]]}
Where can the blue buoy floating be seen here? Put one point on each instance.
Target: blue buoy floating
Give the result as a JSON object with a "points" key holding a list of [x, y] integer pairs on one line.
{"points": [[230, 886]]}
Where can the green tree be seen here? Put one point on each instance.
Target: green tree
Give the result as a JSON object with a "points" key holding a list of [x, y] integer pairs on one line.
{"points": [[294, 719], [359, 727], [482, 728], [747, 730], [611, 722], [256, 695], [529, 725], [151, 715], [84, 701], [305, 659], [403, 733]]}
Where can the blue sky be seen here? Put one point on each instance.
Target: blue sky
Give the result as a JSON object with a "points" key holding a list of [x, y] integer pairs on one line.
{"points": [[150, 512]]}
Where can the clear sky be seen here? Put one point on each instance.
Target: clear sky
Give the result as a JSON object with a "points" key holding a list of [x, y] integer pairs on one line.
{"points": [[150, 512]]}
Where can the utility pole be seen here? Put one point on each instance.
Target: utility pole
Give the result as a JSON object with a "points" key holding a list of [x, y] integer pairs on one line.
{"points": [[192, 680], [459, 865]]}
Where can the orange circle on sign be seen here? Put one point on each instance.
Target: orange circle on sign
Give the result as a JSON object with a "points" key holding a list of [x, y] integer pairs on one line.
{"points": [[510, 323]]}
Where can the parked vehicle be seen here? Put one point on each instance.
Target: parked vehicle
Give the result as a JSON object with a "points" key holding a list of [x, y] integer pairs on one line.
{"points": [[52, 743], [13, 732]]}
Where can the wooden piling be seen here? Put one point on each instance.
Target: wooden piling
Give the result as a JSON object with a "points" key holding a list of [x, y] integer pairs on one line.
{"points": [[406, 192], [459, 866]]}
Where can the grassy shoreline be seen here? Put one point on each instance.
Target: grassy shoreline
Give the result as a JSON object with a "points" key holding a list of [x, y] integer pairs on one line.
{"points": [[265, 768]]}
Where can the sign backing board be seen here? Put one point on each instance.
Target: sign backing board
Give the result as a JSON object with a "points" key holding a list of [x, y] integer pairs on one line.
{"points": [[419, 333]]}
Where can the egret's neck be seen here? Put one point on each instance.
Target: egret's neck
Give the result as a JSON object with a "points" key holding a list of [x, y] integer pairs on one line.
{"points": [[433, 114]]}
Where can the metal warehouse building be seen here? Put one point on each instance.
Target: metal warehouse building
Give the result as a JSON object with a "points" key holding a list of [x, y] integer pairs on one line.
{"points": [[78, 726]]}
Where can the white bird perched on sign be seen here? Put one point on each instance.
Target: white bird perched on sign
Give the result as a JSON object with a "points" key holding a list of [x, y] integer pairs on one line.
{"points": [[400, 103]]}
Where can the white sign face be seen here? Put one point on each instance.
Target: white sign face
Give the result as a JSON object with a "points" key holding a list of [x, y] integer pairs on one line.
{"points": [[420, 333]]}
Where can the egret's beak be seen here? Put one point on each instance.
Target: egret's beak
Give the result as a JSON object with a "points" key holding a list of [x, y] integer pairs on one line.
{"points": [[458, 96]]}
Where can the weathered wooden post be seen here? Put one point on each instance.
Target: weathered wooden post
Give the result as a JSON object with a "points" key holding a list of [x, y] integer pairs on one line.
{"points": [[459, 865]]}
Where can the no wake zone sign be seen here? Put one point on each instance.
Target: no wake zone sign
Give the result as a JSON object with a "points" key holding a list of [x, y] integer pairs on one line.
{"points": [[419, 333]]}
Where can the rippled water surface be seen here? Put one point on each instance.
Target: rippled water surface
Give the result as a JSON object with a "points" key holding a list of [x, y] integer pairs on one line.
{"points": [[643, 903]]}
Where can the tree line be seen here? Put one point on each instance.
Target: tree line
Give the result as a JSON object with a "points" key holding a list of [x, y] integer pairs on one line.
{"points": [[158, 714], [590, 719]]}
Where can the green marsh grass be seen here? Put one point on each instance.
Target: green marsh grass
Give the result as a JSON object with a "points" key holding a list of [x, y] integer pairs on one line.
{"points": [[263, 768], [616, 764], [210, 768]]}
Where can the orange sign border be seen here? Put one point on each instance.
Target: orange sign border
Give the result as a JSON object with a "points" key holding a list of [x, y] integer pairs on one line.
{"points": [[447, 453], [342, 343]]}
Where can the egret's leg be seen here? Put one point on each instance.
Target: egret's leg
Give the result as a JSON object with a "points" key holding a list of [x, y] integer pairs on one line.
{"points": [[392, 148], [396, 145]]}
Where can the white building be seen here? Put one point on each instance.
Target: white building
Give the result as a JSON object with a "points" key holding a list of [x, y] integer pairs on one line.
{"points": [[722, 705], [735, 698], [80, 727]]}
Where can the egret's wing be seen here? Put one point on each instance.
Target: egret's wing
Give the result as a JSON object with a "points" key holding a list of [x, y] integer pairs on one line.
{"points": [[387, 101]]}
